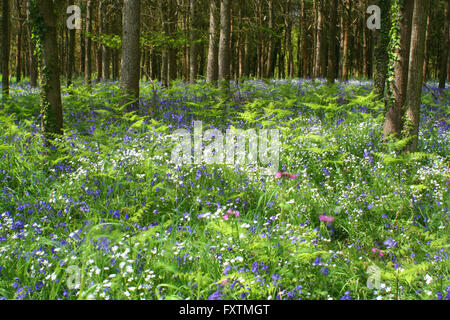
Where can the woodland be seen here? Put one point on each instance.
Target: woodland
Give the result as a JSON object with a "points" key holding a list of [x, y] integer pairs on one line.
{"points": [[313, 137]]}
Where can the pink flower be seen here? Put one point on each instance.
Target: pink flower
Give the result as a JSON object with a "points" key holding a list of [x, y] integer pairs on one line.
{"points": [[231, 213], [285, 175], [326, 218], [376, 250], [224, 282]]}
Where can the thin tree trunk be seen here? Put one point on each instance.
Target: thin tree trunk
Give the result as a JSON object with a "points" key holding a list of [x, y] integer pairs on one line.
{"points": [[346, 30], [304, 42], [193, 60], [6, 47], [427, 43], [445, 48], [88, 48], [415, 79], [31, 48], [331, 74], [99, 32], [212, 68], [224, 56], [131, 49]]}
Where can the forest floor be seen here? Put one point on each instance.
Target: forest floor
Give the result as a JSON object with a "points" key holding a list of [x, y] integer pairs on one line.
{"points": [[107, 215]]}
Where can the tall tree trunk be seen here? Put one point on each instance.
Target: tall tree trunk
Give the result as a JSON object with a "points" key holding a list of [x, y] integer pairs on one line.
{"points": [[131, 48], [332, 58], [393, 124], [270, 42], [193, 60], [427, 44], [6, 47], [71, 55], [445, 48], [224, 56], [172, 52], [19, 42], [33, 65], [212, 68], [381, 49], [346, 31], [106, 55], [165, 49], [88, 48], [51, 107], [99, 32], [304, 38], [415, 78], [288, 26]]}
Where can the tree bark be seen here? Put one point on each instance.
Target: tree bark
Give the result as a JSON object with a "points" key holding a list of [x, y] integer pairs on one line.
{"points": [[212, 68], [332, 59], [31, 48], [445, 48], [131, 49], [193, 52], [88, 48], [415, 78], [393, 124], [346, 30], [6, 47], [51, 106], [381, 49], [224, 56]]}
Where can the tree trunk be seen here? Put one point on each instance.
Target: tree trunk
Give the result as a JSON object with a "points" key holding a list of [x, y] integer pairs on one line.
{"points": [[6, 47], [33, 65], [445, 49], [99, 29], [131, 49], [88, 48], [415, 78], [270, 43], [51, 106], [427, 43], [393, 124], [193, 60], [304, 42], [212, 68], [332, 58], [224, 57], [381, 49], [346, 30]]}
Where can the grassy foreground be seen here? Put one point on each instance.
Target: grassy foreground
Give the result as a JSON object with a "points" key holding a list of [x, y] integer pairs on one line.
{"points": [[108, 216]]}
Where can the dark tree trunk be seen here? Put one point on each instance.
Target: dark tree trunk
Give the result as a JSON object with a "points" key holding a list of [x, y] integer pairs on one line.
{"points": [[445, 48], [381, 49], [415, 78], [6, 47], [393, 124], [193, 60], [332, 58], [346, 31], [99, 28], [33, 69], [88, 48], [51, 106], [304, 43], [224, 56], [131, 48], [212, 68]]}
